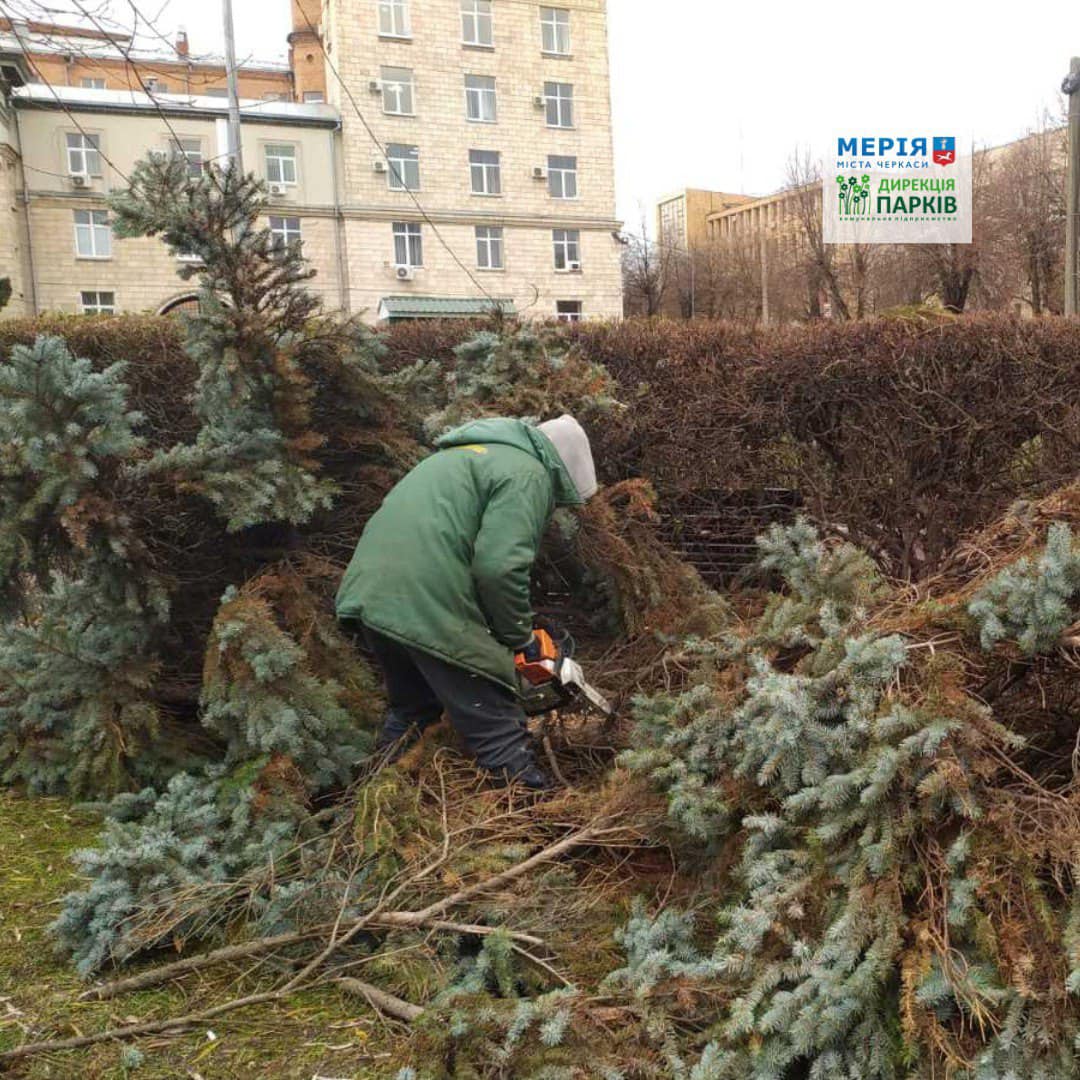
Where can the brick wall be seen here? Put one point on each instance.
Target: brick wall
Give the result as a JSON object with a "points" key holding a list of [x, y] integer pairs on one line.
{"points": [[444, 136]]}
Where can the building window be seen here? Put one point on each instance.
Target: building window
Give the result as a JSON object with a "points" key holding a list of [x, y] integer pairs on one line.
{"points": [[477, 23], [404, 172], [216, 92], [568, 310], [480, 98], [84, 154], [562, 177], [285, 232], [191, 151], [555, 30], [394, 18], [314, 97], [156, 86], [281, 164], [93, 234], [559, 98], [97, 303], [567, 249], [489, 247], [93, 84], [408, 244], [397, 91], [485, 172]]}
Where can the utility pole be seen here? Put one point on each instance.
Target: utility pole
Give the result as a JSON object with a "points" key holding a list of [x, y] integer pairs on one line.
{"points": [[1071, 87], [236, 155]]}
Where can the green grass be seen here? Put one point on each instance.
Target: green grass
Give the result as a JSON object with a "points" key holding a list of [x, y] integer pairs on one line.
{"points": [[315, 1033]]}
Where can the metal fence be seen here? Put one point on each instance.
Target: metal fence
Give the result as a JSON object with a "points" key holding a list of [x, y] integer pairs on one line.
{"points": [[715, 529]]}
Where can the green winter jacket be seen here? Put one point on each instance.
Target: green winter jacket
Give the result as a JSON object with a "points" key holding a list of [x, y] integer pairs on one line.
{"points": [[444, 565]]}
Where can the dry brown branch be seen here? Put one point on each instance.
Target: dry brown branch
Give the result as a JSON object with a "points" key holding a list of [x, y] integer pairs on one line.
{"points": [[380, 999], [308, 976]]}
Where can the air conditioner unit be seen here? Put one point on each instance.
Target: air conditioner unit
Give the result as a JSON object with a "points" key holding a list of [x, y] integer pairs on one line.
{"points": [[540, 101], [375, 86], [79, 180], [280, 191], [540, 173], [405, 273], [378, 165], [574, 267]]}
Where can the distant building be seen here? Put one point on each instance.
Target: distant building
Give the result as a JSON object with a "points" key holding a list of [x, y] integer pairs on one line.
{"points": [[681, 219]]}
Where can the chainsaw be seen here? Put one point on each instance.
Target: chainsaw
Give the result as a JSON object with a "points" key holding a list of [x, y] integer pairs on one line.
{"points": [[555, 680]]}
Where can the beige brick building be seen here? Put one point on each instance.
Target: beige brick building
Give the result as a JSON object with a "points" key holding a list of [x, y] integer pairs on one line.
{"points": [[487, 174], [77, 149], [498, 114]]}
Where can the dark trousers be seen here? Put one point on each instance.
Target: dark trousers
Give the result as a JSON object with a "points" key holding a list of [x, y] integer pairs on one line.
{"points": [[420, 687]]}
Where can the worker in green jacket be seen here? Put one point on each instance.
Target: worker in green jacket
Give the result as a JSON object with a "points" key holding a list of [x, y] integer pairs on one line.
{"points": [[439, 583]]}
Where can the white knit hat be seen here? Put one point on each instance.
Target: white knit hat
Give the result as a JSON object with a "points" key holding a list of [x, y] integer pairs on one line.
{"points": [[570, 440]]}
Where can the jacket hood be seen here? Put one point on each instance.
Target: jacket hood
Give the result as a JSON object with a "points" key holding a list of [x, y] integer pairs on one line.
{"points": [[569, 439], [523, 436]]}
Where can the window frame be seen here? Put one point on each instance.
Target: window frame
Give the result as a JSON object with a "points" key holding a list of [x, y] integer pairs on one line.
{"points": [[488, 245], [395, 8], [481, 93], [89, 147], [478, 19], [487, 171], [94, 228], [570, 316], [412, 236], [284, 235], [176, 149], [388, 81], [293, 156], [556, 25], [395, 173], [562, 172], [563, 242], [554, 96], [96, 308], [314, 97], [90, 82]]}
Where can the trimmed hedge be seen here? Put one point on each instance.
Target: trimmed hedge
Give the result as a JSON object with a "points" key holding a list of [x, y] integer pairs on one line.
{"points": [[906, 434]]}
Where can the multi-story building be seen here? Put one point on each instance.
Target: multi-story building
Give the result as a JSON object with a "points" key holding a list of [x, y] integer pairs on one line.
{"points": [[681, 219], [499, 182], [464, 159], [78, 145]]}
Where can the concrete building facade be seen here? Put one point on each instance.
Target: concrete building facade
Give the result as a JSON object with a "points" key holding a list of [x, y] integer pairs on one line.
{"points": [[497, 119], [78, 265], [464, 158]]}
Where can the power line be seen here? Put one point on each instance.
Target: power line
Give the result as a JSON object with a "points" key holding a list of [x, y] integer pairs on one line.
{"points": [[91, 140], [126, 53], [382, 150]]}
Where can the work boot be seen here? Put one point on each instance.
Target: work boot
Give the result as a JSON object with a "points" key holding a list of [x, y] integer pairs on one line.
{"points": [[523, 772], [396, 739]]}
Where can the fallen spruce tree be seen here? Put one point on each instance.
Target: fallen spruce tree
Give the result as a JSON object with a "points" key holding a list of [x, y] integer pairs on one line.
{"points": [[837, 840]]}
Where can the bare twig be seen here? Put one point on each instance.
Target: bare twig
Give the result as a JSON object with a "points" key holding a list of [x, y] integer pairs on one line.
{"points": [[380, 999]]}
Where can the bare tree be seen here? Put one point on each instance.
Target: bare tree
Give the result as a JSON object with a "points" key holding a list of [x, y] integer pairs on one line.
{"points": [[645, 267], [804, 180], [1026, 203]]}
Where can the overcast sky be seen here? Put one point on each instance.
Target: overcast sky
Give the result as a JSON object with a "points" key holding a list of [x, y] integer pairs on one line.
{"points": [[717, 95]]}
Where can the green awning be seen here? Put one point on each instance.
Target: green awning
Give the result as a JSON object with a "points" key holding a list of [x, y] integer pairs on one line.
{"points": [[439, 307]]}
